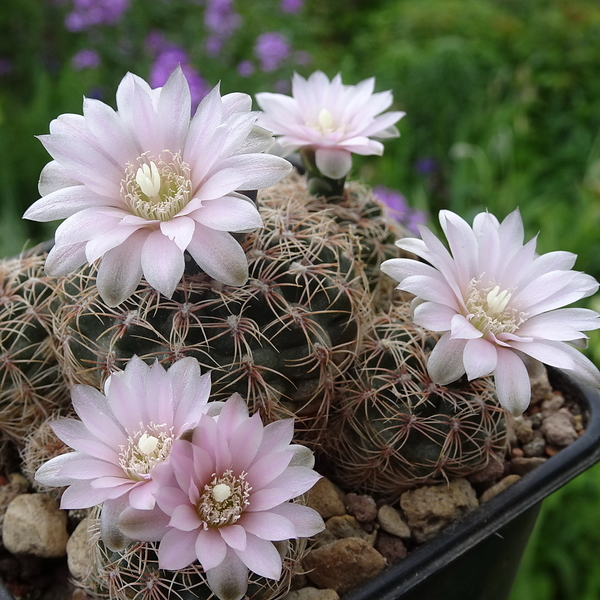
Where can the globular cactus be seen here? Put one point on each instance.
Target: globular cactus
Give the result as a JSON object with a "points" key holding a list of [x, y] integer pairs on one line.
{"points": [[282, 340], [31, 384], [395, 429], [134, 574]]}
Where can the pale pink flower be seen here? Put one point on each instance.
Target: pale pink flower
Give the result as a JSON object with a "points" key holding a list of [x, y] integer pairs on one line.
{"points": [[223, 499], [498, 302], [125, 432], [140, 185], [335, 120]]}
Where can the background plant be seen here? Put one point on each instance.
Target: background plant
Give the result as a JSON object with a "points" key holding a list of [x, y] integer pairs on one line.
{"points": [[502, 102]]}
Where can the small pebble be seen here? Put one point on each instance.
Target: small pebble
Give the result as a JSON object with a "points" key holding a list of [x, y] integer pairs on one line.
{"points": [[346, 526], [522, 466], [558, 428], [391, 547], [499, 487], [326, 498], [391, 521], [311, 593], [536, 446], [362, 507], [343, 565]]}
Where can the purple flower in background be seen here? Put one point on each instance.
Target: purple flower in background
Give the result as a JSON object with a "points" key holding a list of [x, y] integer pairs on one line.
{"points": [[302, 58], [221, 20], [291, 6], [245, 68], [88, 13], [85, 59], [166, 62], [5, 66], [399, 209], [426, 165], [156, 42], [271, 49]]}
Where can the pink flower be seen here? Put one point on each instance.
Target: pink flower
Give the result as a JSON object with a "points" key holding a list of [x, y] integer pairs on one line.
{"points": [[125, 433], [140, 185], [223, 499], [335, 120], [499, 304]]}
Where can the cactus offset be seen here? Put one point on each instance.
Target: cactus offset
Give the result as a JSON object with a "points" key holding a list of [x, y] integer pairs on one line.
{"points": [[395, 429]]}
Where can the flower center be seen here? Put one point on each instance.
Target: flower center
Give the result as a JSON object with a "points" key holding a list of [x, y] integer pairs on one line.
{"points": [[223, 500], [324, 123], [489, 309], [157, 189], [144, 449]]}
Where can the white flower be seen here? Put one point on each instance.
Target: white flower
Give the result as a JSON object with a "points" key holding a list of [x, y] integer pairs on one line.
{"points": [[499, 304], [335, 120], [140, 185]]}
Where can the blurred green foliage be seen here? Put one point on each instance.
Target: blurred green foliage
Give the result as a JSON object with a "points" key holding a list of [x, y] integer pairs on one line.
{"points": [[503, 111]]}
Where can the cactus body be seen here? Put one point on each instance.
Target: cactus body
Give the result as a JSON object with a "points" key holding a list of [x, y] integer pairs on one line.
{"points": [[31, 384], [395, 428], [281, 340]]}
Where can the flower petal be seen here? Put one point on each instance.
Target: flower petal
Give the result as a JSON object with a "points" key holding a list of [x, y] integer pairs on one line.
{"points": [[512, 382]]}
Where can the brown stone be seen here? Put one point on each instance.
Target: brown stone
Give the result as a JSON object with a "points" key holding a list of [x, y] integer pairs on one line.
{"points": [[346, 526], [521, 466], [499, 487], [343, 565], [558, 429], [391, 547], [361, 507], [430, 508], [327, 499]]}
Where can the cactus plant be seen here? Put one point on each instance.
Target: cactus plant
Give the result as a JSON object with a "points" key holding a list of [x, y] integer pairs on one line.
{"points": [[281, 340], [395, 429], [31, 384]]}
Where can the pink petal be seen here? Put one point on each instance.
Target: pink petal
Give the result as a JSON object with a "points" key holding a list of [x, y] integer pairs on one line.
{"points": [[110, 132], [229, 580], [261, 557], [121, 270], [191, 391], [81, 495], [292, 483], [432, 316], [462, 329], [177, 549], [246, 442], [63, 260], [142, 496], [174, 110], [262, 471], [210, 548], [53, 178], [268, 525], [91, 407], [307, 521], [257, 170], [76, 435], [480, 358], [512, 382], [277, 436], [84, 163], [143, 525], [185, 517], [162, 263], [234, 536], [179, 230], [333, 163], [445, 363], [228, 214], [219, 255], [65, 202]]}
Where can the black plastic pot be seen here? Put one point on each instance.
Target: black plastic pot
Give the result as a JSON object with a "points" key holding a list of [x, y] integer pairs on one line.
{"points": [[477, 558]]}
